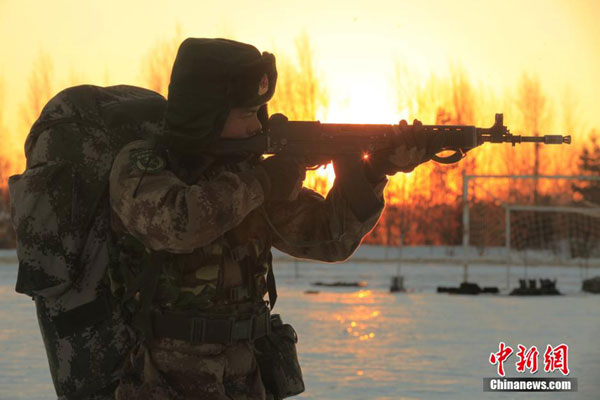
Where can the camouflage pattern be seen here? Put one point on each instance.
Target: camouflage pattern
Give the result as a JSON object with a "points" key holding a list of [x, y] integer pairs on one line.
{"points": [[278, 361], [191, 220], [174, 369], [206, 217], [167, 214], [61, 216]]}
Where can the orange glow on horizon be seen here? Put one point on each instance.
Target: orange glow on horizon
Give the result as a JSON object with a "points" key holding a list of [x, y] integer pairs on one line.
{"points": [[352, 65]]}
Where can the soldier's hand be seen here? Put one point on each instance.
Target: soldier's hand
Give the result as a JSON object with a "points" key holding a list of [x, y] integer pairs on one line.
{"points": [[405, 157], [285, 178]]}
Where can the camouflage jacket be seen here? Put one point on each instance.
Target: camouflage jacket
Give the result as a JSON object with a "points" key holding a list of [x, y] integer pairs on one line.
{"points": [[219, 213]]}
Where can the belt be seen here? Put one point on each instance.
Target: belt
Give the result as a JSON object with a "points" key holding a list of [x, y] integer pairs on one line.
{"points": [[209, 329]]}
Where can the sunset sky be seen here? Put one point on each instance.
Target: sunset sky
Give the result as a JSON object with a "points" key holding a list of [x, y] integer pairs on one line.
{"points": [[357, 44]]}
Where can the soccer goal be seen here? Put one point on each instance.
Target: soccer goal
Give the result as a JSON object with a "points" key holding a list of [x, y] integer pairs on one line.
{"points": [[553, 235], [504, 222]]}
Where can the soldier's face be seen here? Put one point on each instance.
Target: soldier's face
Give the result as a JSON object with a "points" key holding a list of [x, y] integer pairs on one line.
{"points": [[241, 123]]}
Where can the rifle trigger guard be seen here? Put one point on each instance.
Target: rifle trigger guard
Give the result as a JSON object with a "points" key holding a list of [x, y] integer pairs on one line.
{"points": [[458, 155]]}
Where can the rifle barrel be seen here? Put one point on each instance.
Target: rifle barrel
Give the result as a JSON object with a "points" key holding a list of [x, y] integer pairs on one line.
{"points": [[547, 139], [509, 138]]}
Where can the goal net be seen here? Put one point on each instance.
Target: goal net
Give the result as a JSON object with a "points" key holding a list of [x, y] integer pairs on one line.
{"points": [[553, 227], [554, 235]]}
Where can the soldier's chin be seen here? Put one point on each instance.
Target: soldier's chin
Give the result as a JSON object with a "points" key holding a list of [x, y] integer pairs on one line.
{"points": [[238, 136]]}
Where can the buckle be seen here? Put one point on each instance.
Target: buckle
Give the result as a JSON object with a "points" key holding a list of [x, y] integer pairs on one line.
{"points": [[218, 330], [242, 329], [197, 326], [238, 293], [262, 325], [238, 253], [226, 330]]}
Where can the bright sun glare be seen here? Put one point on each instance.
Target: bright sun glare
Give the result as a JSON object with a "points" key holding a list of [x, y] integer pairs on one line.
{"points": [[364, 102]]}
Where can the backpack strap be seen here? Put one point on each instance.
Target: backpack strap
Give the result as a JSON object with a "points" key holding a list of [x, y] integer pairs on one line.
{"points": [[144, 289], [95, 311], [271, 286]]}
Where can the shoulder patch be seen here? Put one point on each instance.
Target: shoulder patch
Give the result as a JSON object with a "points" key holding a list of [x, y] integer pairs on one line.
{"points": [[147, 160]]}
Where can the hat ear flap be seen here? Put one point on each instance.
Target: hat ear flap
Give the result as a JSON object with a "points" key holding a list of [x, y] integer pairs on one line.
{"points": [[254, 83], [263, 116]]}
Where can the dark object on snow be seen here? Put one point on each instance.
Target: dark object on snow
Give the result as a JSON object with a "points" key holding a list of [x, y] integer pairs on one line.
{"points": [[490, 289], [311, 292], [341, 284], [467, 288], [397, 284], [529, 288], [591, 285]]}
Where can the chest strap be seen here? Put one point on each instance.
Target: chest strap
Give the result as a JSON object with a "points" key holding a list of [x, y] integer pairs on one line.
{"points": [[211, 329], [271, 287], [247, 259]]}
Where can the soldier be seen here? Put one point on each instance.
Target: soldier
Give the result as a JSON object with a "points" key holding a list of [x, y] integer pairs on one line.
{"points": [[213, 219]]}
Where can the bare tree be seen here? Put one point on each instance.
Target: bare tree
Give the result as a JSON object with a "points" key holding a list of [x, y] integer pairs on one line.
{"points": [[6, 231], [310, 88], [300, 92], [564, 161], [589, 164], [4, 137], [533, 107], [285, 98], [39, 90], [157, 64], [463, 96]]}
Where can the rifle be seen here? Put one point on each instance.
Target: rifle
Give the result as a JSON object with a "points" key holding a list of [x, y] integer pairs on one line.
{"points": [[322, 143], [329, 141]]}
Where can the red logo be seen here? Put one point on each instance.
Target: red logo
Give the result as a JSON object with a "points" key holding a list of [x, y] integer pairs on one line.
{"points": [[500, 357], [556, 359], [528, 359]]}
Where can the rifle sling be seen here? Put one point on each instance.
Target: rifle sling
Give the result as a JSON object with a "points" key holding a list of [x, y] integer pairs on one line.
{"points": [[142, 319], [271, 287]]}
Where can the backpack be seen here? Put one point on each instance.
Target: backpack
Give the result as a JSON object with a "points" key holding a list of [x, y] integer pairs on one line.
{"points": [[61, 215]]}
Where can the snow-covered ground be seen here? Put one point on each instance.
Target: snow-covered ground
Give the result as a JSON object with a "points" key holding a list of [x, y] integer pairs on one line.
{"points": [[366, 343]]}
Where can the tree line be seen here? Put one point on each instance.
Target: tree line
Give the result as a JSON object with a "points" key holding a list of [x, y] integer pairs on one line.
{"points": [[424, 207]]}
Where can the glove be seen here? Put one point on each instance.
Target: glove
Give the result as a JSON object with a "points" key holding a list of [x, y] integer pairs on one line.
{"points": [[411, 150], [281, 178]]}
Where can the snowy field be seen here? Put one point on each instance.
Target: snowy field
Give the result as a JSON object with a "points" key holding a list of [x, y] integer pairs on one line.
{"points": [[365, 343]]}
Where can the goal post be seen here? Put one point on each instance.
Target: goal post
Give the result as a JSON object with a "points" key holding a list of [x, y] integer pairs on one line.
{"points": [[498, 213]]}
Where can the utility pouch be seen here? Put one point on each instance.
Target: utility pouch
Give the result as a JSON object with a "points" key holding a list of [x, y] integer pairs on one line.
{"points": [[278, 361]]}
